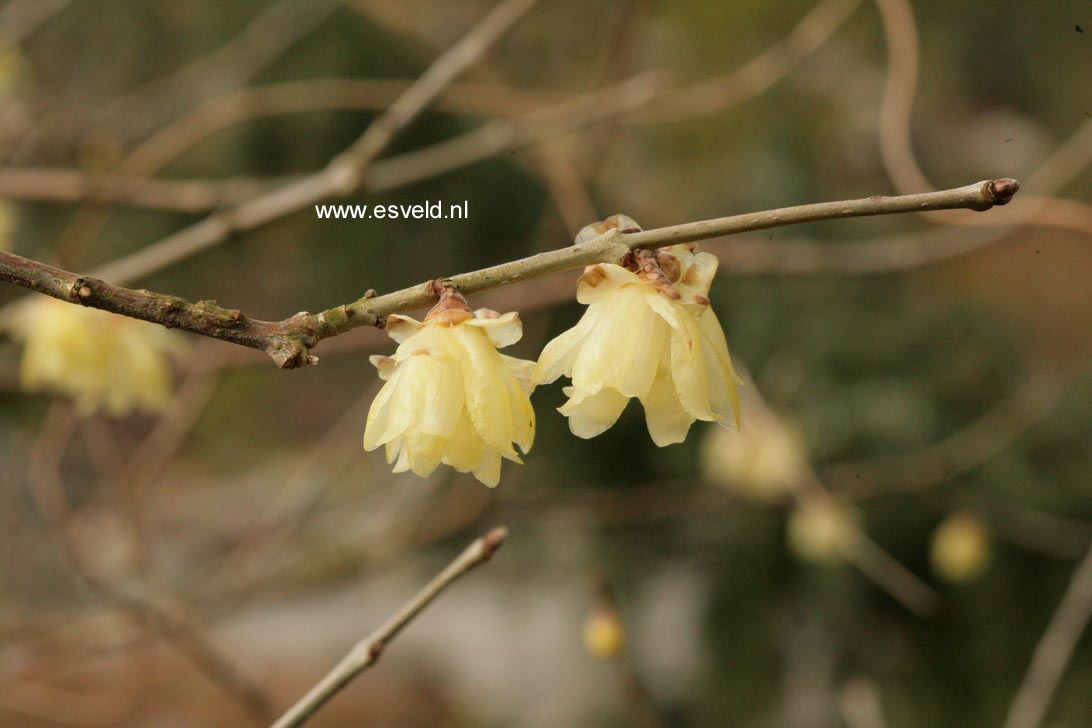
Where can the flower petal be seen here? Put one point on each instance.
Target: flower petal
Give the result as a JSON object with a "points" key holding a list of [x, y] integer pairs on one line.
{"points": [[488, 469], [401, 328], [624, 349], [594, 415], [599, 280], [504, 330], [721, 377], [401, 409], [424, 452], [522, 370], [444, 398], [463, 450], [486, 395], [687, 358], [558, 356], [668, 423]]}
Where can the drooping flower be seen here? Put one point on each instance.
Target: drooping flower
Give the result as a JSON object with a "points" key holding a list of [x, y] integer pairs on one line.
{"points": [[960, 550], [648, 333], [450, 397], [102, 360]]}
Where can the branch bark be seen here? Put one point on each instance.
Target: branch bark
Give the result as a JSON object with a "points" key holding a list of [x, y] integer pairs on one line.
{"points": [[289, 342], [366, 653]]}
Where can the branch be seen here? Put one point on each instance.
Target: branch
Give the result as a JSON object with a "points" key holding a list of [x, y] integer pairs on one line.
{"points": [[366, 653], [1054, 650], [289, 342]]}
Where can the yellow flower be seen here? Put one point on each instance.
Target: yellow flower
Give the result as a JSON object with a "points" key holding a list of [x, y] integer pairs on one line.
{"points": [[765, 459], [821, 530], [102, 360], [604, 634], [450, 397], [961, 547], [648, 333]]}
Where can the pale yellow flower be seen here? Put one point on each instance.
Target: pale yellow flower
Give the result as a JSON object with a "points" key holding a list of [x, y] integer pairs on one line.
{"points": [[961, 547], [821, 530], [450, 397], [766, 459], [648, 333], [102, 360]]}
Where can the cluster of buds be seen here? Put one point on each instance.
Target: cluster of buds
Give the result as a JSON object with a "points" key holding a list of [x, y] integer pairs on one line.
{"points": [[648, 333]]}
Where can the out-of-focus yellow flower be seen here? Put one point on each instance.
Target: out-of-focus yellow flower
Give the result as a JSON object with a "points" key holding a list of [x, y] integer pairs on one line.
{"points": [[764, 460], [961, 547], [102, 360], [450, 397], [821, 530], [604, 634], [648, 333]]}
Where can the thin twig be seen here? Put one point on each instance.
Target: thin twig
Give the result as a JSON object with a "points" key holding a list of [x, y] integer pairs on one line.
{"points": [[1054, 650], [346, 172], [264, 39], [289, 342], [367, 652], [165, 618]]}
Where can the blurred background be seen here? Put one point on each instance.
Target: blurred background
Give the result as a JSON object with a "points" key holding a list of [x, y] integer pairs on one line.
{"points": [[885, 543]]}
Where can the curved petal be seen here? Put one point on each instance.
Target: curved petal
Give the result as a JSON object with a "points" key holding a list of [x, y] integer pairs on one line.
{"points": [[486, 395], [385, 364], [668, 423], [721, 377], [624, 349], [523, 414], [594, 415], [503, 331], [401, 328], [488, 468], [444, 399], [401, 408], [558, 356], [522, 370], [698, 271], [464, 448], [601, 279], [423, 452]]}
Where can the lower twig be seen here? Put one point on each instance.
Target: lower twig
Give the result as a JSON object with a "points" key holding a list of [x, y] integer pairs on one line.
{"points": [[366, 653]]}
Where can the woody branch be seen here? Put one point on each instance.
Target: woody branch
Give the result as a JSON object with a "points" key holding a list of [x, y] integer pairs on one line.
{"points": [[289, 342]]}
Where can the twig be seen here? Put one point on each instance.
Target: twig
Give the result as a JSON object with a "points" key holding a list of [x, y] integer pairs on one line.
{"points": [[760, 73], [21, 18], [346, 172], [1054, 650], [264, 39], [165, 619], [367, 652], [43, 184], [289, 342]]}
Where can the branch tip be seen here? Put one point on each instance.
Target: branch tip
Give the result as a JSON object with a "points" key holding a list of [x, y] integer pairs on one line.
{"points": [[1002, 190], [493, 541]]}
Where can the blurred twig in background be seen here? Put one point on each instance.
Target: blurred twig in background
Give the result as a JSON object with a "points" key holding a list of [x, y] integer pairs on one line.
{"points": [[365, 653]]}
